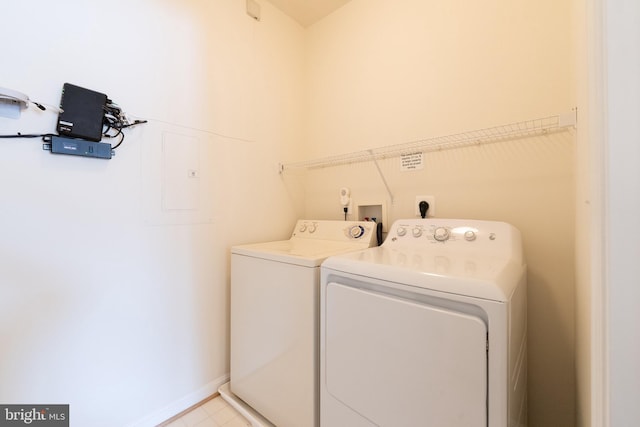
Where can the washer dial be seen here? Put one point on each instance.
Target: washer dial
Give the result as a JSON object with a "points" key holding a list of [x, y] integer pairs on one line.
{"points": [[356, 231]]}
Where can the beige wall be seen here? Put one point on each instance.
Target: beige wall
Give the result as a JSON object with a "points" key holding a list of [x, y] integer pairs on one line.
{"points": [[386, 72]]}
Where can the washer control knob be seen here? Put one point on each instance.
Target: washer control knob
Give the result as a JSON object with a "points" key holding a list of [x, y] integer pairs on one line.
{"points": [[312, 228], [417, 232], [356, 231], [303, 228], [402, 231], [469, 236], [441, 234]]}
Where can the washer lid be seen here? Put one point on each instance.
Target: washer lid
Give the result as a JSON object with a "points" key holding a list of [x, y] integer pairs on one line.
{"points": [[304, 252], [312, 241], [469, 274]]}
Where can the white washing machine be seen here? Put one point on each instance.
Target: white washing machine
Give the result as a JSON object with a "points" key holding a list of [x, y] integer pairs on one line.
{"points": [[275, 316], [429, 329]]}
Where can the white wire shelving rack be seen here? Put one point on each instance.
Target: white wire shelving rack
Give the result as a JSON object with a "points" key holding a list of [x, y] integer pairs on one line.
{"points": [[511, 131]]}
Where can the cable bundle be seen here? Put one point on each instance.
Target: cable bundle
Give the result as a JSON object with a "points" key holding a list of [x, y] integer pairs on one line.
{"points": [[114, 121]]}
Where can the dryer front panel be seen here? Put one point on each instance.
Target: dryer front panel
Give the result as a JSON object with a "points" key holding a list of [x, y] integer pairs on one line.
{"points": [[396, 362]]}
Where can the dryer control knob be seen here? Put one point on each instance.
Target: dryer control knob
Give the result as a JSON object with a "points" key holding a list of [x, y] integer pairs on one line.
{"points": [[417, 232], [303, 228], [402, 231], [356, 231], [312, 228], [441, 234], [469, 236]]}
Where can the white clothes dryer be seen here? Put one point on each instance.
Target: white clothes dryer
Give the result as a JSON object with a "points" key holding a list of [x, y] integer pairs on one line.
{"points": [[275, 316], [429, 329]]}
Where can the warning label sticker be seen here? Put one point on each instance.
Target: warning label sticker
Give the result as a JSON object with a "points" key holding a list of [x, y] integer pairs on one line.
{"points": [[411, 161]]}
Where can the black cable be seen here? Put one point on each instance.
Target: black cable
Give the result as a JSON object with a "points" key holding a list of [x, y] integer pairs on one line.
{"points": [[120, 142], [27, 135], [137, 122], [115, 120], [128, 125]]}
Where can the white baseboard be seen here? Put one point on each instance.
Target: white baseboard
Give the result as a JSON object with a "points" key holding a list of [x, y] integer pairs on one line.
{"points": [[181, 404]]}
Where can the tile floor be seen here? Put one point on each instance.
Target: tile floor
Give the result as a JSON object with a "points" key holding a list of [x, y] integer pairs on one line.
{"points": [[213, 413]]}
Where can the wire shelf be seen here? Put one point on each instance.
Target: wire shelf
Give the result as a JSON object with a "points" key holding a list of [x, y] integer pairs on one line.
{"points": [[527, 128]]}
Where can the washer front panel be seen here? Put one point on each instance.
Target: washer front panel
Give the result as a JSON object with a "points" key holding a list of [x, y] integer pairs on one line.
{"points": [[274, 335]]}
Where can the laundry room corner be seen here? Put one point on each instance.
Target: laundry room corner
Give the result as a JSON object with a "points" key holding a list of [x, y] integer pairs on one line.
{"points": [[115, 273]]}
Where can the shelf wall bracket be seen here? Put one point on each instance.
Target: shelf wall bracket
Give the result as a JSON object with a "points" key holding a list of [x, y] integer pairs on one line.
{"points": [[384, 181]]}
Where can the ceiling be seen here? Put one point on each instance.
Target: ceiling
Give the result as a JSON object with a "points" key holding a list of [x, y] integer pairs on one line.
{"points": [[307, 12]]}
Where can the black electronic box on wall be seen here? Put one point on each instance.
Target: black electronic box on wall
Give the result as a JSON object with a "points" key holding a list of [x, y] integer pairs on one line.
{"points": [[82, 113]]}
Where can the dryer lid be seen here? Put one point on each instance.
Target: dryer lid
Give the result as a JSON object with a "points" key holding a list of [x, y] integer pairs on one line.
{"points": [[476, 276]]}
